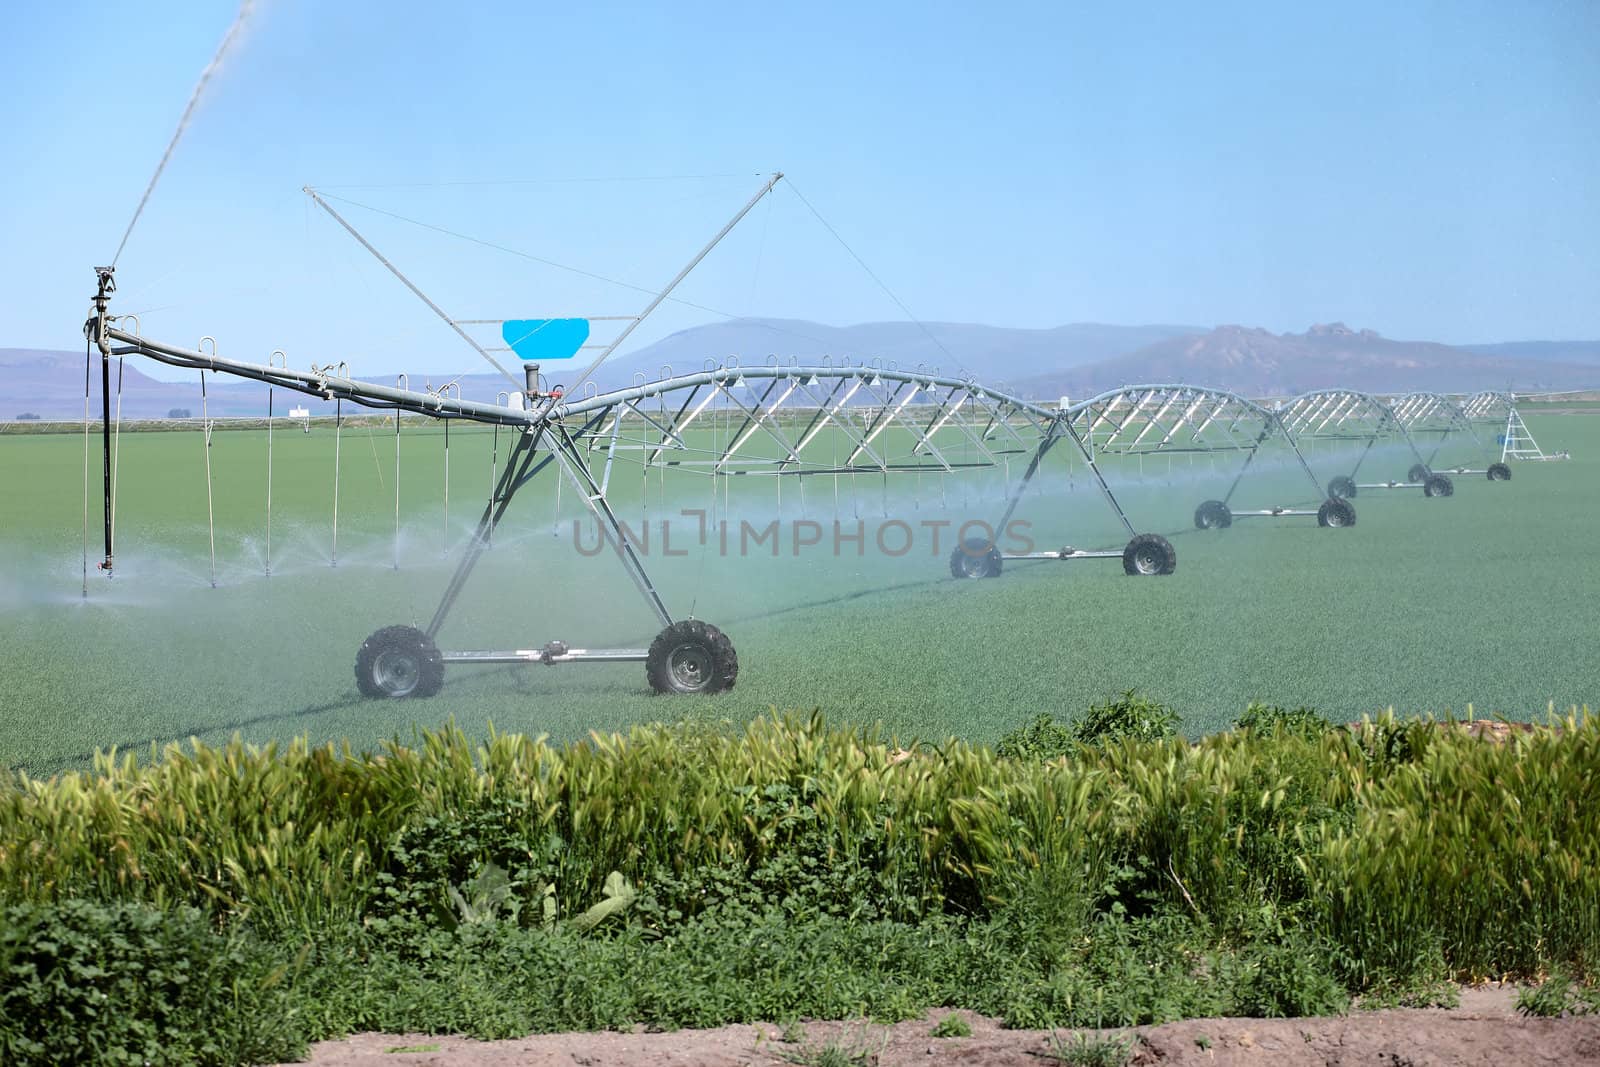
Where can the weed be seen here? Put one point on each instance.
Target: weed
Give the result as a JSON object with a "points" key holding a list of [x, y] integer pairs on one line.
{"points": [[1093, 1050], [1559, 996], [1266, 718], [82, 982], [952, 1026], [1128, 717], [1043, 738], [665, 876], [849, 1051], [1438, 993], [1292, 978]]}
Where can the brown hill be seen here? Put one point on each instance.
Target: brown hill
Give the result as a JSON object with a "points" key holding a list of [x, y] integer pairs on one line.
{"points": [[1261, 363]]}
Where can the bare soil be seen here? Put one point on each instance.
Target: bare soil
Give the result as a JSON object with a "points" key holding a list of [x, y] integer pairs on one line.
{"points": [[1484, 1030]]}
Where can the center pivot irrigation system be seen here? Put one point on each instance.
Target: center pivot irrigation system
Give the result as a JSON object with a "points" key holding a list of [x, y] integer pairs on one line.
{"points": [[1175, 420], [818, 423], [1440, 421], [814, 425], [1414, 422]]}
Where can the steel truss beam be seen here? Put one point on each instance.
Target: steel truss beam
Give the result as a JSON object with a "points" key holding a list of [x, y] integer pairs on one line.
{"points": [[1437, 417], [1348, 415], [1145, 420], [814, 420]]}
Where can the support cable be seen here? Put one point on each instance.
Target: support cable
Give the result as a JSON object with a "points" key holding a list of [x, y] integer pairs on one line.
{"points": [[657, 297], [871, 274], [677, 279], [592, 180], [418, 293]]}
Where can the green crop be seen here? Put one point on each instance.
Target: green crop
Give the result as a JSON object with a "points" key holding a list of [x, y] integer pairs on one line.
{"points": [[1426, 605]]}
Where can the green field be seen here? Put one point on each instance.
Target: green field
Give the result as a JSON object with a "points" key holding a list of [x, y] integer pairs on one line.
{"points": [[1490, 597]]}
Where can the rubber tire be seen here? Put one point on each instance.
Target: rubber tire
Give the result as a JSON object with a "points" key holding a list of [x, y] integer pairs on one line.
{"points": [[1417, 473], [1499, 472], [1213, 515], [720, 664], [1149, 546], [1342, 488], [1336, 513], [404, 641], [1438, 485], [975, 558]]}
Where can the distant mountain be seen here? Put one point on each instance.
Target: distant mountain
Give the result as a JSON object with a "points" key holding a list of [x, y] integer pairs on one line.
{"points": [[1260, 363], [990, 353], [1074, 360], [50, 384], [1561, 351]]}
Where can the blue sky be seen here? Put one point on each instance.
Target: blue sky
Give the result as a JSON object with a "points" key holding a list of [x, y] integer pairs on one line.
{"points": [[1429, 170]]}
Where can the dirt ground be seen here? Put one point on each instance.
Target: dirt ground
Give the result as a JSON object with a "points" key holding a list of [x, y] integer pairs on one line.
{"points": [[1485, 1029]]}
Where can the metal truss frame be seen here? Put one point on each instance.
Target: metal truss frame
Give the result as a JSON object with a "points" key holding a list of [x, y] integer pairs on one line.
{"points": [[878, 421], [1439, 420], [1141, 420], [782, 422], [1352, 416]]}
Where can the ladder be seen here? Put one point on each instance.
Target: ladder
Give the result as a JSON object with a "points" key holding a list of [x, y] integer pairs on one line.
{"points": [[1518, 443]]}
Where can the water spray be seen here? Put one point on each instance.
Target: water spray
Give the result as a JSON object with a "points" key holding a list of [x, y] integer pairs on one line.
{"points": [[239, 20]]}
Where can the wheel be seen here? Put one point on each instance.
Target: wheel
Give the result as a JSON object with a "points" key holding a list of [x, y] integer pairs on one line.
{"points": [[1213, 515], [1417, 473], [399, 662], [975, 558], [1342, 487], [1336, 513], [1499, 472], [691, 656], [1438, 485], [1149, 554]]}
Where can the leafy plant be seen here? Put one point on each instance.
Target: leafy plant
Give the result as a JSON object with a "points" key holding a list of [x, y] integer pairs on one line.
{"points": [[1558, 996], [1041, 739], [82, 982], [1128, 717], [1291, 978], [485, 896], [1267, 718], [952, 1026]]}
